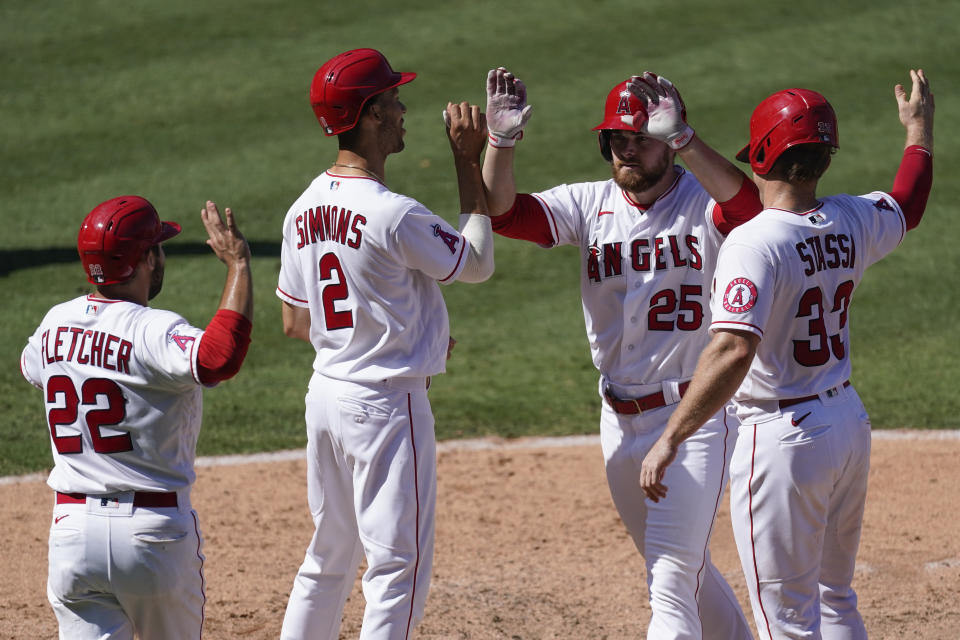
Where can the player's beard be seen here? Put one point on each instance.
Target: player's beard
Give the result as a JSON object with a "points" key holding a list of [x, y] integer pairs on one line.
{"points": [[156, 282], [635, 179], [392, 135]]}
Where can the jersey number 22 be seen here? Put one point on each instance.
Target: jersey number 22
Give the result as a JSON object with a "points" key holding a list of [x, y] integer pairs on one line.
{"points": [[90, 392]]}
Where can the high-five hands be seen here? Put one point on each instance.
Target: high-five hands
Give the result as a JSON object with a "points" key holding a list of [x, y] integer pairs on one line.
{"points": [[466, 129], [507, 108], [666, 116]]}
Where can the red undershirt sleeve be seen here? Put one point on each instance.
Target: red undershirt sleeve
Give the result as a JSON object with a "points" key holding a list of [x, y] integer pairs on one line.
{"points": [[911, 187], [223, 346], [525, 220], [742, 207]]}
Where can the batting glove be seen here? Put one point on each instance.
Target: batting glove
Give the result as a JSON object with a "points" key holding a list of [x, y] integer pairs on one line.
{"points": [[666, 114], [507, 108]]}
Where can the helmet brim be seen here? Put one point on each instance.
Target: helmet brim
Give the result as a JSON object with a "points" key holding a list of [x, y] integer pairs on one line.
{"points": [[167, 231]]}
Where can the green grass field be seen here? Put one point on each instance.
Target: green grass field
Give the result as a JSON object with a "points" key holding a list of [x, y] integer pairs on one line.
{"points": [[182, 101]]}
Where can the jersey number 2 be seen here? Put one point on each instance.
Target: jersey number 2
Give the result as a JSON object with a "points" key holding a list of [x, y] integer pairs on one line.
{"points": [[336, 290], [90, 391], [811, 305]]}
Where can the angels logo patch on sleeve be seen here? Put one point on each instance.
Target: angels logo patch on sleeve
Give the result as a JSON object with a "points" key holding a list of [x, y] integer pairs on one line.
{"points": [[449, 239], [740, 296], [181, 341]]}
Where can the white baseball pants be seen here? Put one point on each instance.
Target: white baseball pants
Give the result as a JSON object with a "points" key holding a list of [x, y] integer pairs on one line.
{"points": [[689, 598], [797, 495], [371, 488], [116, 570]]}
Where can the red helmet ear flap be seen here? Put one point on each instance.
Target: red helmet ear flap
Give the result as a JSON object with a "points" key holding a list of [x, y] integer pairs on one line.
{"points": [[603, 138]]}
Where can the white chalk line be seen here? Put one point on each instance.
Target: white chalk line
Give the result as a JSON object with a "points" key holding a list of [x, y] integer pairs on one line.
{"points": [[483, 444]]}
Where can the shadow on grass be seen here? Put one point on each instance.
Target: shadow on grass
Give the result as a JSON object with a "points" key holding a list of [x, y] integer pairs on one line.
{"points": [[14, 259]]}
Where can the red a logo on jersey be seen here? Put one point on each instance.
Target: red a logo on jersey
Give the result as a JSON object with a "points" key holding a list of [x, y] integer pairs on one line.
{"points": [[448, 238], [883, 204], [182, 341]]}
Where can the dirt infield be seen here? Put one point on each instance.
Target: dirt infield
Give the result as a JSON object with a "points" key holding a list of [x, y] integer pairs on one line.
{"points": [[529, 546]]}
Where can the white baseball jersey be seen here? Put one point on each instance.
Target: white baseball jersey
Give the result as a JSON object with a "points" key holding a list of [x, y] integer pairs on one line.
{"points": [[366, 262], [123, 401], [789, 278], [645, 274]]}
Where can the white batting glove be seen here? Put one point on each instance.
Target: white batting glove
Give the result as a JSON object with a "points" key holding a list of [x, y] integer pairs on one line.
{"points": [[507, 108], [666, 113]]}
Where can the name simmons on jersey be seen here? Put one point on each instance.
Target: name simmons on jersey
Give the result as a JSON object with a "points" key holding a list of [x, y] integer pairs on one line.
{"points": [[332, 223], [645, 254], [85, 346]]}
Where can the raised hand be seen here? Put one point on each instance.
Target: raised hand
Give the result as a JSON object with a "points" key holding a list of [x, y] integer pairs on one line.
{"points": [[466, 129], [507, 108], [666, 115], [224, 238], [916, 111]]}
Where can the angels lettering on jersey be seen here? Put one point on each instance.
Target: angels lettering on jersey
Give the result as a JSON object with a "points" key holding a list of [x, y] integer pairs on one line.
{"points": [[642, 254]]}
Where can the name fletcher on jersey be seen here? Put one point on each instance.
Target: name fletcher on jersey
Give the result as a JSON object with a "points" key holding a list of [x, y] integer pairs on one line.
{"points": [[640, 256], [95, 348]]}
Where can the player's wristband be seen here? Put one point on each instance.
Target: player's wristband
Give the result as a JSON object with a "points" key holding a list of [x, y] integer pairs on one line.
{"points": [[682, 138], [501, 141]]}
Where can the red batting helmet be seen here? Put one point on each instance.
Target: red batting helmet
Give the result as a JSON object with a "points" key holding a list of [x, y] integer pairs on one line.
{"points": [[115, 234], [619, 109], [619, 113], [785, 119], [344, 83]]}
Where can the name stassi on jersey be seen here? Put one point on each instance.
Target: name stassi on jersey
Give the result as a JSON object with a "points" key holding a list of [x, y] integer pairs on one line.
{"points": [[332, 223], [834, 251]]}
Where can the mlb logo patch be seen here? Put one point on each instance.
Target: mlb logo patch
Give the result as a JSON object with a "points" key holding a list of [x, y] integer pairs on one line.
{"points": [[92, 309], [96, 273], [817, 218], [335, 185]]}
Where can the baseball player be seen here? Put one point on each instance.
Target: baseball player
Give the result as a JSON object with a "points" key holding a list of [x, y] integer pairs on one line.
{"points": [[781, 348], [648, 241], [122, 389], [360, 267]]}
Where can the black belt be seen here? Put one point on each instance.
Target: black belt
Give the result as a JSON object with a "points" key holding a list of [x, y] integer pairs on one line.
{"points": [[639, 405], [152, 499], [789, 402]]}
